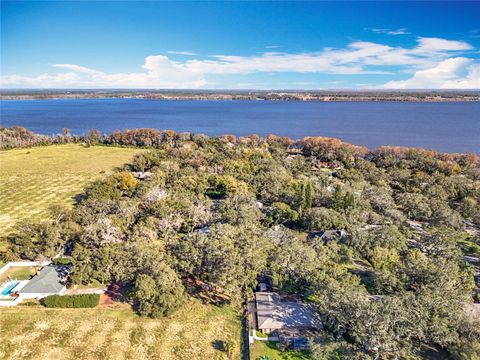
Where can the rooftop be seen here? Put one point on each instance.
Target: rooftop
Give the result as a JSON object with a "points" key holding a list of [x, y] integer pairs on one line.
{"points": [[273, 313], [48, 281], [327, 235]]}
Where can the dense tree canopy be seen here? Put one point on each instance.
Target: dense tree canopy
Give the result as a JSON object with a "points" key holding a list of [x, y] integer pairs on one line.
{"points": [[226, 211]]}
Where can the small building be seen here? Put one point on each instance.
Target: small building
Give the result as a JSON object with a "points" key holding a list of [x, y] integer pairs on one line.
{"points": [[204, 230], [327, 235], [143, 175], [51, 280], [275, 313], [331, 165]]}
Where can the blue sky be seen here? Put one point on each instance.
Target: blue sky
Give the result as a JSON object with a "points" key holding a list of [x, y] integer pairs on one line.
{"points": [[266, 45]]}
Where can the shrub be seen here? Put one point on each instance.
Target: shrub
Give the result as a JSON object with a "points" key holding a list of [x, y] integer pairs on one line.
{"points": [[30, 303], [72, 301], [62, 261], [126, 180], [224, 185]]}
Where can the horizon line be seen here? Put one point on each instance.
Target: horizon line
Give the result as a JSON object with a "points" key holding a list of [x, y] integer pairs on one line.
{"points": [[246, 89]]}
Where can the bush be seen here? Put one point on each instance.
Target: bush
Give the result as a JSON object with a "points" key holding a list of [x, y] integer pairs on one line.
{"points": [[30, 303], [62, 261], [72, 301]]}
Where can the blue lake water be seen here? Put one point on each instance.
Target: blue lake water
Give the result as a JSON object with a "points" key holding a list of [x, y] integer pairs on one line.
{"points": [[450, 127]]}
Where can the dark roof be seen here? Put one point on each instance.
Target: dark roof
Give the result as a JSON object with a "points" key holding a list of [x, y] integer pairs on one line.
{"points": [[48, 281], [327, 235], [300, 342]]}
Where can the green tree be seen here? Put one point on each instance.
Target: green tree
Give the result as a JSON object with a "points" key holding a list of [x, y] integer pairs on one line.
{"points": [[159, 293], [282, 213], [36, 241], [320, 218], [307, 195]]}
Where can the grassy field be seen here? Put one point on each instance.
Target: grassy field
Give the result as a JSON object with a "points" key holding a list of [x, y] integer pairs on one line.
{"points": [[33, 179], [194, 332], [30, 181], [267, 348]]}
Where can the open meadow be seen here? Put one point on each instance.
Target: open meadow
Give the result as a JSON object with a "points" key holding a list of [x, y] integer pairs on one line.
{"points": [[33, 179], [196, 331]]}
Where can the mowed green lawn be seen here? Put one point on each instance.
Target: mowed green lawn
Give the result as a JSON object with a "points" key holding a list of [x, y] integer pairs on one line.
{"points": [[269, 350], [19, 273], [195, 332], [33, 179]]}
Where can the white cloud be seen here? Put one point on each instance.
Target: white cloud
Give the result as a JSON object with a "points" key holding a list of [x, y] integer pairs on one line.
{"points": [[402, 31], [398, 32], [434, 62], [40, 81], [272, 46], [437, 44], [76, 68], [454, 73], [272, 62], [188, 53], [160, 72]]}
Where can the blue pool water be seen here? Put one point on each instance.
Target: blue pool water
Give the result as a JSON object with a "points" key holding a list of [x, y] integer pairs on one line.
{"points": [[9, 288]]}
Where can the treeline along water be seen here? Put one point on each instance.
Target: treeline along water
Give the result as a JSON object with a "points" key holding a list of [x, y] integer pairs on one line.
{"points": [[449, 127]]}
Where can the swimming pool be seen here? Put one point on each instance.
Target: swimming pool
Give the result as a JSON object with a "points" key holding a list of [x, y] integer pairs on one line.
{"points": [[9, 288]]}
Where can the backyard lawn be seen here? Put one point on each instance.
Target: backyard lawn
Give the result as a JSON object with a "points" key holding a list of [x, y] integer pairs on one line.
{"points": [[33, 179], [19, 273], [195, 332], [268, 348]]}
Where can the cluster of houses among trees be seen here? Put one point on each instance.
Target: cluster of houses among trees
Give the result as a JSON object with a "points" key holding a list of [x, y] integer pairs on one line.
{"points": [[298, 95], [372, 254]]}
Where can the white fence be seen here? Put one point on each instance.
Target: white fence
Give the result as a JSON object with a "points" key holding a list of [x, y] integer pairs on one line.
{"points": [[23, 263], [15, 302]]}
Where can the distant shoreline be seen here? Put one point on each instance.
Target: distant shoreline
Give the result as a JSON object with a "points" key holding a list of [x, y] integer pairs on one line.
{"points": [[279, 100], [230, 95]]}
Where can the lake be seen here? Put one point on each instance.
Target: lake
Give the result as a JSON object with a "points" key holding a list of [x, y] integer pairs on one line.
{"points": [[449, 127]]}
